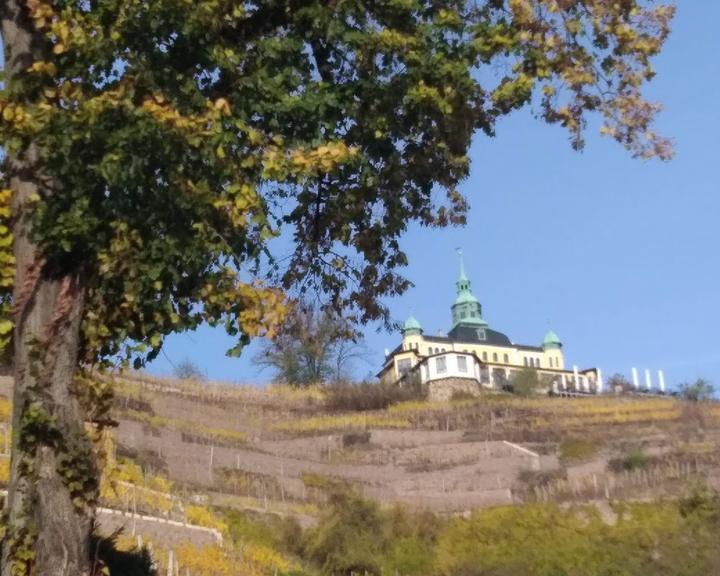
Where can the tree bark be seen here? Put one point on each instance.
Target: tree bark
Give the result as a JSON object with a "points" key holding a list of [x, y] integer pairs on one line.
{"points": [[48, 510]]}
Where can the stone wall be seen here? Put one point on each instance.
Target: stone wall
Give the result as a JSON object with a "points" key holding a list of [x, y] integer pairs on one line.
{"points": [[443, 390]]}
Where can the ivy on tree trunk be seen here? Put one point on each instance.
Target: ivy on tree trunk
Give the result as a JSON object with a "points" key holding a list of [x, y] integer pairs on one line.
{"points": [[52, 480]]}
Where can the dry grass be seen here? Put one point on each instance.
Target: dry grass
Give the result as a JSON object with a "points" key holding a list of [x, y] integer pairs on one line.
{"points": [[132, 383], [342, 422], [219, 436]]}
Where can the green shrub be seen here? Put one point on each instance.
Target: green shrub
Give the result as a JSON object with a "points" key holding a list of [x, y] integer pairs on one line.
{"points": [[635, 459], [541, 478], [698, 391], [525, 383], [461, 395], [242, 528], [369, 395], [547, 540], [269, 530], [325, 483], [576, 450], [409, 556], [349, 539], [360, 438], [356, 536]]}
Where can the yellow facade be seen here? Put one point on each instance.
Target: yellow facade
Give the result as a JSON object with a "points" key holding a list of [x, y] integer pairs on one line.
{"points": [[506, 356]]}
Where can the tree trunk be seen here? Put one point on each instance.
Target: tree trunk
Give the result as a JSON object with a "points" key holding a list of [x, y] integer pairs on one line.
{"points": [[52, 478]]}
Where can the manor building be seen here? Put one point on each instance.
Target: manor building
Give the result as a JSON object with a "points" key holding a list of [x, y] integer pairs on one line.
{"points": [[473, 356]]}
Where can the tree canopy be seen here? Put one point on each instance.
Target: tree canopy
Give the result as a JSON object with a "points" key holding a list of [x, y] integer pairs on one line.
{"points": [[154, 149], [176, 138], [312, 346]]}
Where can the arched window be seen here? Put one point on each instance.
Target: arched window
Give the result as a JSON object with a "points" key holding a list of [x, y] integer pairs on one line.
{"points": [[484, 356], [506, 359], [495, 357], [525, 361]]}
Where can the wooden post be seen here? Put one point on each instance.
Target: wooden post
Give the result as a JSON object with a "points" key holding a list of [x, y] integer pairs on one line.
{"points": [[282, 482], [134, 523], [171, 562]]}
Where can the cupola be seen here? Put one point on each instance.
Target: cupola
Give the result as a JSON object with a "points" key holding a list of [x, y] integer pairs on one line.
{"points": [[467, 310], [551, 341], [412, 327]]}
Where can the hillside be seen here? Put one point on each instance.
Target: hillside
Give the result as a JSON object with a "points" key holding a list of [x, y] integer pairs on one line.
{"points": [[186, 453], [451, 457]]}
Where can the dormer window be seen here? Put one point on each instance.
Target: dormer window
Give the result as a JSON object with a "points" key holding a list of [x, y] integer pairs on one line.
{"points": [[481, 334]]}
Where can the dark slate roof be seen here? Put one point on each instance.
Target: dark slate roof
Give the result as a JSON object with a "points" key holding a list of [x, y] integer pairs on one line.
{"points": [[471, 334], [530, 348]]}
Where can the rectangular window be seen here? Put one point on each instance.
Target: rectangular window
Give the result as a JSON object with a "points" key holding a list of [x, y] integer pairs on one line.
{"points": [[404, 366], [462, 364], [440, 365]]}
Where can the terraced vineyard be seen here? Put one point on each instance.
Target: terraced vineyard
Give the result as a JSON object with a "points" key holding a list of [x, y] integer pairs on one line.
{"points": [[189, 453]]}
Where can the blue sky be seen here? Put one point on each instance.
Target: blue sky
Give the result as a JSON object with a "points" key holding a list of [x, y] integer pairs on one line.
{"points": [[618, 256]]}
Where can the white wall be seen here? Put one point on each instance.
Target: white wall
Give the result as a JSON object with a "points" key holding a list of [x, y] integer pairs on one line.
{"points": [[451, 367]]}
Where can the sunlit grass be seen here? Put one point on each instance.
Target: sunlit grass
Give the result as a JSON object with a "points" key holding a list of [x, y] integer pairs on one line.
{"points": [[359, 421], [220, 435]]}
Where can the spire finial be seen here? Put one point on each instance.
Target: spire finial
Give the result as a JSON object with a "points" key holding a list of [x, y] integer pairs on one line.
{"points": [[463, 276]]}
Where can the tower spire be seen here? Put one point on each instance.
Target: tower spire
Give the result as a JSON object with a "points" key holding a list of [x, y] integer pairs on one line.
{"points": [[467, 309], [463, 277], [463, 283]]}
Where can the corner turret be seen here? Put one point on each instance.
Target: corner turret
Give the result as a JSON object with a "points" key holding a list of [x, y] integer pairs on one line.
{"points": [[412, 327], [551, 341]]}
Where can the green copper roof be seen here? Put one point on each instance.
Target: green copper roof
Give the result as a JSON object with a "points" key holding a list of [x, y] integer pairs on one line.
{"points": [[465, 296], [467, 309], [552, 338], [470, 321], [412, 324]]}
